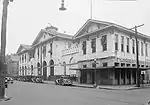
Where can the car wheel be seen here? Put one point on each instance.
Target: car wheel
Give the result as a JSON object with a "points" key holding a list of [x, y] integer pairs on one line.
{"points": [[63, 84], [56, 83]]}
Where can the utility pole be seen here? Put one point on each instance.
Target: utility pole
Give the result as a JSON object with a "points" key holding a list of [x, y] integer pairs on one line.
{"points": [[3, 46], [137, 56], [95, 84]]}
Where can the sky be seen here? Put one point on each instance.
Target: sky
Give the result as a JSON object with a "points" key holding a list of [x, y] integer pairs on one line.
{"points": [[27, 17]]}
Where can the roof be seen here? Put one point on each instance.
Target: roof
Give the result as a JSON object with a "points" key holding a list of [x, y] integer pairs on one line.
{"points": [[109, 24], [52, 32], [25, 47]]}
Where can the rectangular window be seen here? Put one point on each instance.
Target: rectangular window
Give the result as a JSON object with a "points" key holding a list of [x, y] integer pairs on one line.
{"points": [[133, 46], [51, 47], [142, 49], [93, 65], [22, 58], [127, 45], [105, 64], [84, 47], [84, 66], [25, 57], [116, 42], [44, 51], [146, 50], [138, 47], [38, 53], [122, 43], [93, 45], [104, 42]]}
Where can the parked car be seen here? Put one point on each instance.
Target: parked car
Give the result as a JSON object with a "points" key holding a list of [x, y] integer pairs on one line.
{"points": [[148, 103], [9, 79], [39, 79], [6, 82], [63, 80]]}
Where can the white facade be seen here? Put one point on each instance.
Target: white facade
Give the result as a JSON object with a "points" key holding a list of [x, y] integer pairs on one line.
{"points": [[46, 48], [112, 46]]}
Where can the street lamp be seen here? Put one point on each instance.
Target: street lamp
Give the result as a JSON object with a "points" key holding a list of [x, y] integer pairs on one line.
{"points": [[62, 8], [95, 84]]}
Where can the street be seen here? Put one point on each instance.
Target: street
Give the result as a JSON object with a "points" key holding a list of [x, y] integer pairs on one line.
{"points": [[25, 93]]}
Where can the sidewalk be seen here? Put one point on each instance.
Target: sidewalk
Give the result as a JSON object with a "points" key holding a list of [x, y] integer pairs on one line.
{"points": [[108, 87]]}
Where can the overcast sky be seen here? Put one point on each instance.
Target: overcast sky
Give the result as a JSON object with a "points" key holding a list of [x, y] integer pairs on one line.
{"points": [[27, 17]]}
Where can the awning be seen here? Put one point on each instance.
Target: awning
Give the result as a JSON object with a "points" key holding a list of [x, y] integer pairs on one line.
{"points": [[141, 68], [99, 68]]}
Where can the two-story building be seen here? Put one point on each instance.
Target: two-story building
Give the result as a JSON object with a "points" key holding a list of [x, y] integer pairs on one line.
{"points": [[108, 51], [43, 57]]}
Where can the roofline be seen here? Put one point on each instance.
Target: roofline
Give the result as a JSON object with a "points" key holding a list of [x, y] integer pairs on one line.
{"points": [[119, 27], [93, 32], [110, 24], [91, 20]]}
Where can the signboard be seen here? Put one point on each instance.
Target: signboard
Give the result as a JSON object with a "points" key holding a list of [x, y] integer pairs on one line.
{"points": [[125, 60]]}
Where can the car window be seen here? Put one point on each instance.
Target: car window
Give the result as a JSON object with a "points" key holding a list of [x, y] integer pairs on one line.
{"points": [[66, 77]]}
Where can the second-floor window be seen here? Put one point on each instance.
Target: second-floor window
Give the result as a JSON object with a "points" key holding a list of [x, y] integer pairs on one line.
{"points": [[142, 53], [84, 66], [44, 51], [93, 64], [22, 58], [38, 53], [133, 46], [51, 48], [116, 42], [122, 43], [84, 47], [25, 57], [93, 45], [146, 50], [127, 45], [138, 47], [104, 42]]}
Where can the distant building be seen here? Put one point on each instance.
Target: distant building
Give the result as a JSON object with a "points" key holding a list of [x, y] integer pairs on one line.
{"points": [[12, 62]]}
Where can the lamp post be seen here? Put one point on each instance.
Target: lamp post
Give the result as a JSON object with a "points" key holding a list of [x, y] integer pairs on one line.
{"points": [[3, 46], [62, 8], [95, 84]]}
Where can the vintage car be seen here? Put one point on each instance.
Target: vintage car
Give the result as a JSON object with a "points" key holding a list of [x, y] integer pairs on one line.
{"points": [[148, 103], [63, 80], [9, 79], [37, 79]]}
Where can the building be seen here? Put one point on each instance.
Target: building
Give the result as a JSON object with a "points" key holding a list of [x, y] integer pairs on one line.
{"points": [[12, 62], [109, 51], [43, 57], [100, 52]]}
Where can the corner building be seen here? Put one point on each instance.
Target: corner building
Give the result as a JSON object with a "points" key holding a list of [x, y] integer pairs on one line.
{"points": [[109, 51]]}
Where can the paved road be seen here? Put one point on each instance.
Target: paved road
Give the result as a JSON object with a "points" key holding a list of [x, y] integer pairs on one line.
{"points": [[24, 93]]}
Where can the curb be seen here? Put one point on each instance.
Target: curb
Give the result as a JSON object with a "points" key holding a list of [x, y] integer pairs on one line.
{"points": [[5, 99], [98, 87], [83, 86]]}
